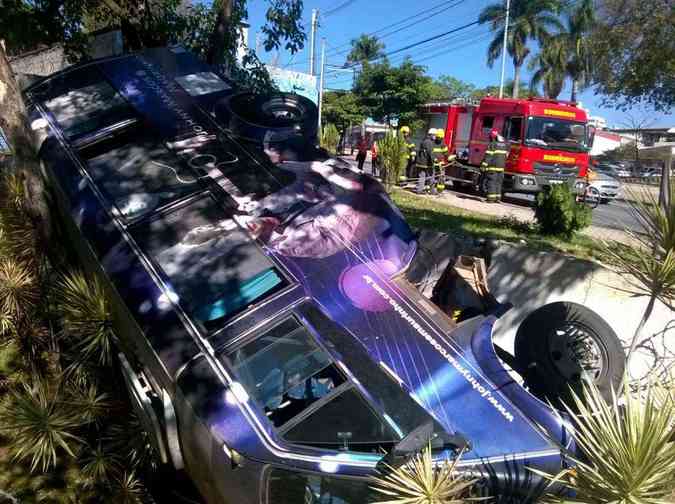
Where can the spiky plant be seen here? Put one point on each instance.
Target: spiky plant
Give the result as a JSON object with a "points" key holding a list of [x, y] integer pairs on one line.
{"points": [[648, 263], [127, 489], [627, 446], [420, 481], [18, 291], [18, 236], [100, 466], [87, 320], [41, 426]]}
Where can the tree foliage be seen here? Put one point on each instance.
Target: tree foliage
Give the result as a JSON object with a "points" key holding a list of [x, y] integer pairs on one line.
{"points": [[364, 49], [386, 91], [566, 53], [448, 88], [634, 53], [530, 20], [342, 108]]}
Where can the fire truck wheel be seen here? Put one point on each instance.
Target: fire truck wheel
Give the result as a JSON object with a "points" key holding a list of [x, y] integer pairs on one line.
{"points": [[561, 343]]}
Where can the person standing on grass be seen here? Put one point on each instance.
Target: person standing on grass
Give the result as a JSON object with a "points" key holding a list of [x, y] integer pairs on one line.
{"points": [[493, 166], [424, 160], [362, 150]]}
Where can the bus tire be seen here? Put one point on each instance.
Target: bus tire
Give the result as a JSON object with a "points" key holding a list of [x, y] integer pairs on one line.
{"points": [[561, 342]]}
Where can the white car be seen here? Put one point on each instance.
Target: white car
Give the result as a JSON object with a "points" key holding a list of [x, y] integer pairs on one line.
{"points": [[603, 182]]}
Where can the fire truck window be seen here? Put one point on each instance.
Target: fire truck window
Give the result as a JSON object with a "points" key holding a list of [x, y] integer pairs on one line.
{"points": [[488, 123], [513, 128]]}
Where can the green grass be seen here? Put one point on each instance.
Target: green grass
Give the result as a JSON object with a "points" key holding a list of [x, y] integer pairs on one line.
{"points": [[425, 213]]}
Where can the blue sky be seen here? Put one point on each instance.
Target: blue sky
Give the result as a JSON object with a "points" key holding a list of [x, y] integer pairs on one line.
{"points": [[462, 55]]}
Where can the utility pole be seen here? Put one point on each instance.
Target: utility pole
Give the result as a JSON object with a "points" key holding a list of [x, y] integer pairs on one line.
{"points": [[506, 32], [312, 43], [323, 64]]}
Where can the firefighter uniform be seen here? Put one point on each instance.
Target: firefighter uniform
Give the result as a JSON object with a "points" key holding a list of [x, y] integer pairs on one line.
{"points": [[424, 160], [410, 155], [493, 168], [440, 156]]}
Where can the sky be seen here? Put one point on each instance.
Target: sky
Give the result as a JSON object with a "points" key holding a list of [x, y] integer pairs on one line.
{"points": [[461, 55]]}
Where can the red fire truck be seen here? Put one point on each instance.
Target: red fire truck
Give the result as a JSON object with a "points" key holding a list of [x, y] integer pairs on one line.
{"points": [[548, 140]]}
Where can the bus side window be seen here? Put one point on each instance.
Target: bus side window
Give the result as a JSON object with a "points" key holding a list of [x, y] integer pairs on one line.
{"points": [[513, 129]]}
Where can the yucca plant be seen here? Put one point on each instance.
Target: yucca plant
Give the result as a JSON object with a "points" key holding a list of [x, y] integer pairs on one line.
{"points": [[393, 150], [648, 264], [41, 426], [127, 489], [627, 446], [419, 481], [18, 236], [18, 292], [83, 307], [100, 466]]}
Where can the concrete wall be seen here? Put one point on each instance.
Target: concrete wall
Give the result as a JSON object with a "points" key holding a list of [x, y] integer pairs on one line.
{"points": [[531, 279]]}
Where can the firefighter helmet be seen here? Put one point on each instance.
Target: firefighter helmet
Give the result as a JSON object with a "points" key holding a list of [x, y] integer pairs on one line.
{"points": [[494, 133], [405, 129], [431, 132], [440, 133]]}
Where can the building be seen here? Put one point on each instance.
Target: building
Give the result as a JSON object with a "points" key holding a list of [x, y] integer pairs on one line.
{"points": [[597, 122], [605, 141], [648, 137]]}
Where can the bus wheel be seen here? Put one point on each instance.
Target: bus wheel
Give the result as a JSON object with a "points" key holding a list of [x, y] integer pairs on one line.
{"points": [[562, 344]]}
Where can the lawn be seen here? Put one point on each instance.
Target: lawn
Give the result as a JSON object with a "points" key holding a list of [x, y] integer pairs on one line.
{"points": [[424, 213]]}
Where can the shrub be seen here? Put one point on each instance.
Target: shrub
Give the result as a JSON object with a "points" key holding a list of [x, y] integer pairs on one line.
{"points": [[393, 151], [628, 453], [420, 481], [330, 137], [558, 213]]}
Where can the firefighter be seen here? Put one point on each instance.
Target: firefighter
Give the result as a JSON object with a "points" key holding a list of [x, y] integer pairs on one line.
{"points": [[424, 160], [493, 166], [440, 160], [410, 155]]}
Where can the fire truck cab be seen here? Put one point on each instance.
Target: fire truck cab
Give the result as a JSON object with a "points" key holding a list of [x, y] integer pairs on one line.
{"points": [[548, 140]]}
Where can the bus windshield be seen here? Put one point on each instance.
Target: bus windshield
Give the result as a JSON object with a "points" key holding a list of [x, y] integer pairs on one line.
{"points": [[556, 134]]}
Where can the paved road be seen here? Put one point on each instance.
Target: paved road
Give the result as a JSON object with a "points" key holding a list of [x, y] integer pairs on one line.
{"points": [[613, 215]]}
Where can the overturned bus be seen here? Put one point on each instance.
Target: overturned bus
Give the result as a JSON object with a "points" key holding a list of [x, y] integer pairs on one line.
{"points": [[270, 339]]}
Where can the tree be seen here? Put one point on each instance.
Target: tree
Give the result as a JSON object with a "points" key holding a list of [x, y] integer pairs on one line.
{"points": [[566, 54], [633, 48], [386, 92], [493, 90], [531, 20], [549, 66], [449, 88], [365, 48], [342, 108]]}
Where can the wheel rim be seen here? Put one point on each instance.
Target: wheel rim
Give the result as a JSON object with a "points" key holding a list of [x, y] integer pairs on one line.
{"points": [[575, 349]]}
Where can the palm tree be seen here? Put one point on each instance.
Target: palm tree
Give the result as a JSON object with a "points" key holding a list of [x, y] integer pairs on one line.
{"points": [[550, 68], [566, 54], [365, 48], [579, 24], [531, 20]]}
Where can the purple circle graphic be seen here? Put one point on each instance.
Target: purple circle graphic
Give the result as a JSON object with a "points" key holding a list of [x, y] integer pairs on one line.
{"points": [[362, 295]]}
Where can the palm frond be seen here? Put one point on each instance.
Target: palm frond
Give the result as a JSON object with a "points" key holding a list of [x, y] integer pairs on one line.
{"points": [[420, 481]]}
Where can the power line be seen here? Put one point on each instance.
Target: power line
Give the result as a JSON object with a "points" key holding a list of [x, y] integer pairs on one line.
{"points": [[338, 8], [404, 20]]}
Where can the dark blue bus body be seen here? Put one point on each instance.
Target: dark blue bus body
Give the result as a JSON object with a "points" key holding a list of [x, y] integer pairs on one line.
{"points": [[266, 304]]}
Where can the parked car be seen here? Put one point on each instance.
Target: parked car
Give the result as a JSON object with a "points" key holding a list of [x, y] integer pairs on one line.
{"points": [[603, 184], [613, 170], [268, 331]]}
